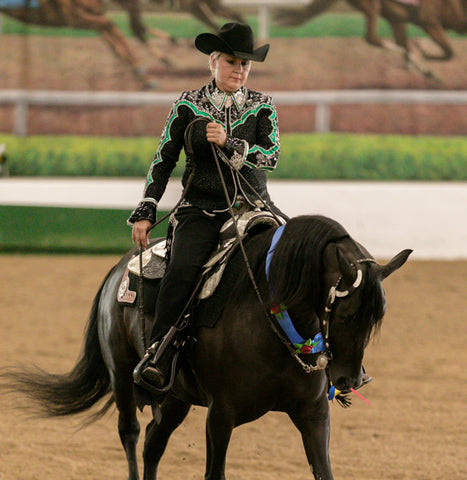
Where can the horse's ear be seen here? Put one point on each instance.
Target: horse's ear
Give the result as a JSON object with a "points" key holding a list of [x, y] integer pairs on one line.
{"points": [[395, 263], [345, 268]]}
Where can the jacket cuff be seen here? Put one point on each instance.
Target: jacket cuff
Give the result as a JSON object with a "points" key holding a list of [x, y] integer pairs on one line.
{"points": [[235, 144], [146, 210], [238, 150]]}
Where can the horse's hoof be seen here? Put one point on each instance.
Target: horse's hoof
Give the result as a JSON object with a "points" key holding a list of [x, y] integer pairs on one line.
{"points": [[375, 41]]}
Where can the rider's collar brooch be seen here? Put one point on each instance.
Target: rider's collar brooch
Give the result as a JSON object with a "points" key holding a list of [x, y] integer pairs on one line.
{"points": [[221, 100]]}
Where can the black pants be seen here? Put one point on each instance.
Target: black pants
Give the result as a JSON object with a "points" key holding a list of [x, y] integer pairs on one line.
{"points": [[195, 237]]}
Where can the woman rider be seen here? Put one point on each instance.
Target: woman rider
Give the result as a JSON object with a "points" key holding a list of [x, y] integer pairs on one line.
{"points": [[242, 126]]}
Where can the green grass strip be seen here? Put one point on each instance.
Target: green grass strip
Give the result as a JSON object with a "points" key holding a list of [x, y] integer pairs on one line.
{"points": [[67, 230]]}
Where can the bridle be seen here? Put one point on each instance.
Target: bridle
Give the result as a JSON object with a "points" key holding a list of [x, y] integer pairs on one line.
{"points": [[325, 323]]}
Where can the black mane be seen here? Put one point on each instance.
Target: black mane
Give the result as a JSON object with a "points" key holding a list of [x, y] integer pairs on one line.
{"points": [[372, 308], [296, 267], [296, 273]]}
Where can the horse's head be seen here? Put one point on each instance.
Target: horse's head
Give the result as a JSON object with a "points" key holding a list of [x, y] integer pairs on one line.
{"points": [[317, 267], [355, 306]]}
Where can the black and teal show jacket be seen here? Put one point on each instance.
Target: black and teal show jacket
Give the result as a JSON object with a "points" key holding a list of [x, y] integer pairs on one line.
{"points": [[250, 120]]}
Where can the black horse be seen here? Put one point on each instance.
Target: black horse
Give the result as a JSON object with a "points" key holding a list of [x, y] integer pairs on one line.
{"points": [[239, 368]]}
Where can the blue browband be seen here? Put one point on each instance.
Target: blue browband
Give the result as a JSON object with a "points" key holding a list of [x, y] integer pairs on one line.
{"points": [[315, 345]]}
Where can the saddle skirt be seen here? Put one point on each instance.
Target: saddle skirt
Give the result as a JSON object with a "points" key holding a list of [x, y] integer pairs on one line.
{"points": [[153, 259]]}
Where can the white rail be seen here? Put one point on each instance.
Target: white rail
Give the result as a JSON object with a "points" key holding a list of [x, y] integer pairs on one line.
{"points": [[425, 216], [323, 99]]}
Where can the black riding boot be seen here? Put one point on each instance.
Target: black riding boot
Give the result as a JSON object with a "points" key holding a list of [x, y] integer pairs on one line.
{"points": [[156, 371]]}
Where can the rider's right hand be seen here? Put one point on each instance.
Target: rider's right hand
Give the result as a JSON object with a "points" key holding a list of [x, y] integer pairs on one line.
{"points": [[140, 233]]}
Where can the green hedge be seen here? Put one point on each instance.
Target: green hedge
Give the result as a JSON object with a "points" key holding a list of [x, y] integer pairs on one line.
{"points": [[304, 156], [373, 157]]}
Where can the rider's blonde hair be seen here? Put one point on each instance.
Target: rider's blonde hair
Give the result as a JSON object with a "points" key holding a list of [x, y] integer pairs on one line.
{"points": [[212, 58]]}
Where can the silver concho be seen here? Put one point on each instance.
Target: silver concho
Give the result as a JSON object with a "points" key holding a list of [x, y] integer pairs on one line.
{"points": [[236, 161]]}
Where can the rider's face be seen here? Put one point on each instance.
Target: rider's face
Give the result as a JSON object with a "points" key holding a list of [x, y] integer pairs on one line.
{"points": [[231, 73]]}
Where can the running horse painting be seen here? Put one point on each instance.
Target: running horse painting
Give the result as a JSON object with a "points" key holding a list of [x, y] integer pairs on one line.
{"points": [[206, 11], [433, 16], [89, 15], [234, 362]]}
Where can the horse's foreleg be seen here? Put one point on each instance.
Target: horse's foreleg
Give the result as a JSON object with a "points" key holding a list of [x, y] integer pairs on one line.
{"points": [[173, 412], [438, 35], [218, 432], [115, 39], [223, 11], [202, 12], [135, 14], [315, 429], [372, 9], [402, 46], [399, 31]]}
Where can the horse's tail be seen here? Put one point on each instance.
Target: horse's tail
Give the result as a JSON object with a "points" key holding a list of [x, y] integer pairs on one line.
{"points": [[56, 395]]}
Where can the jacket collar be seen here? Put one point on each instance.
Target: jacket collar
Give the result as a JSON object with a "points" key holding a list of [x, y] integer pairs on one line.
{"points": [[221, 100]]}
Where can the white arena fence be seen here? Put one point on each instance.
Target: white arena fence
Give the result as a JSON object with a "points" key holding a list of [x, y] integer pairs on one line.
{"points": [[386, 217], [322, 99]]}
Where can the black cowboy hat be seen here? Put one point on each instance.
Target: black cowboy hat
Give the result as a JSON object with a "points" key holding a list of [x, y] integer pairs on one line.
{"points": [[233, 38]]}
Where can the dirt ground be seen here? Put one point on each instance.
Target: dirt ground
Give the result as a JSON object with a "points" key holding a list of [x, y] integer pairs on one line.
{"points": [[53, 63], [414, 427]]}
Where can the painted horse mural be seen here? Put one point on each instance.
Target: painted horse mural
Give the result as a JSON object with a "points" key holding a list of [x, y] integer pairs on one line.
{"points": [[88, 15], [433, 16]]}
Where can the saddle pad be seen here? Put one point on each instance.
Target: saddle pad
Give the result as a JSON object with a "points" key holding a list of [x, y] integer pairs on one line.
{"points": [[129, 290], [153, 261]]}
